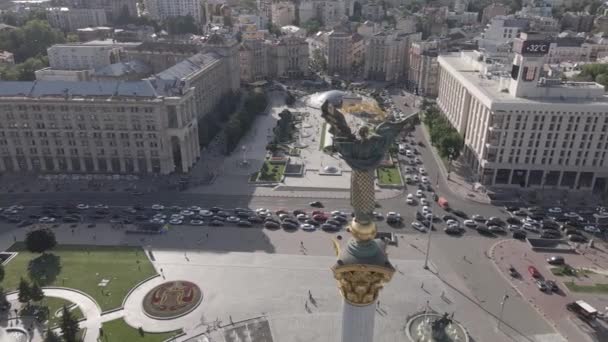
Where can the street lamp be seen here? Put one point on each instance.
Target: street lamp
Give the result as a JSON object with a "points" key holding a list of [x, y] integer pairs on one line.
{"points": [[502, 309], [429, 217]]}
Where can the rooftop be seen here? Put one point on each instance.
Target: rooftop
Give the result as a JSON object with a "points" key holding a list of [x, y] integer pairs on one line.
{"points": [[188, 66], [491, 88], [38, 89]]}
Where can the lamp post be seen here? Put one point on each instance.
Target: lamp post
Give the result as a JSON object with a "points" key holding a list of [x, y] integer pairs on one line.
{"points": [[428, 241], [502, 309]]}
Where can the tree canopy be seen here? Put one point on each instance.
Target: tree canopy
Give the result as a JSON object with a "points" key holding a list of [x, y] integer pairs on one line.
{"points": [[24, 295], [31, 40], [1, 273], [181, 25], [448, 141], [40, 240], [595, 73], [51, 336], [69, 325], [36, 293], [312, 26]]}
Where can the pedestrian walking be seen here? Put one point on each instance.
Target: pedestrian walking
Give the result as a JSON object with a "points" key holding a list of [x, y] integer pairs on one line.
{"points": [[422, 285], [301, 244], [309, 294], [378, 303]]}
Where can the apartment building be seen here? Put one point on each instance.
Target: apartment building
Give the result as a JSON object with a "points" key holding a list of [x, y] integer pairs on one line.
{"points": [[577, 21], [387, 55], [89, 127], [339, 53], [113, 8], [284, 57], [71, 19], [163, 9], [424, 67], [283, 13], [493, 10], [522, 129], [253, 58], [288, 57]]}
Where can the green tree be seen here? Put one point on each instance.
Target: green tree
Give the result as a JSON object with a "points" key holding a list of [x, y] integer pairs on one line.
{"points": [[1, 273], [24, 295], [28, 68], [4, 304], [318, 60], [71, 38], [181, 25], [40, 240], [233, 132], [312, 26], [30, 40], [51, 336], [603, 80], [69, 326], [255, 101], [36, 293], [451, 144]]}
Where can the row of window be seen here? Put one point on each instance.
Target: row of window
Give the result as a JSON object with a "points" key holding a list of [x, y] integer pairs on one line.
{"points": [[88, 109], [109, 135], [99, 143], [75, 152], [150, 118], [82, 126]]}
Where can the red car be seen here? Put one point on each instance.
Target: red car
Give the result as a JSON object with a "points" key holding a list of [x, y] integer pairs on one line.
{"points": [[533, 271], [320, 217]]}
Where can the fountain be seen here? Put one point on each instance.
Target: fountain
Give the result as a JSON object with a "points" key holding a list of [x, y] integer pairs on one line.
{"points": [[13, 334], [432, 327]]}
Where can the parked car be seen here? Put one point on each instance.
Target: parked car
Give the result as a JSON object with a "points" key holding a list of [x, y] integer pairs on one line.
{"points": [[478, 218], [556, 260], [418, 226], [551, 285], [460, 214], [533, 272], [577, 238], [541, 285], [519, 234], [330, 227], [470, 223], [513, 220], [271, 225], [316, 204]]}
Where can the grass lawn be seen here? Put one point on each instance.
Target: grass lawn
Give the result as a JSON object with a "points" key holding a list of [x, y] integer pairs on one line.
{"points": [[275, 176], [389, 176], [562, 271], [54, 304], [596, 288], [82, 268], [119, 331]]}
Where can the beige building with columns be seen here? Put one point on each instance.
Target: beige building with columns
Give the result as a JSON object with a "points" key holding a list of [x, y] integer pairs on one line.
{"points": [[91, 127]]}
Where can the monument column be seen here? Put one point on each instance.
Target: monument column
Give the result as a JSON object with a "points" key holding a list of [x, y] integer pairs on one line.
{"points": [[362, 267]]}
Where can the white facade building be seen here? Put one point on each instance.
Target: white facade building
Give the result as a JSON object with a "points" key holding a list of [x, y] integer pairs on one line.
{"points": [[501, 30], [71, 19], [521, 129], [83, 56]]}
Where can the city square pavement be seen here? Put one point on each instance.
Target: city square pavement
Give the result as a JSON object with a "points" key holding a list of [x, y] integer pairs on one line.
{"points": [[251, 273], [552, 305]]}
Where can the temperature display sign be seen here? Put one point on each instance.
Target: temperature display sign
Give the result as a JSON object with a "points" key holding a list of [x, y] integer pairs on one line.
{"points": [[533, 47]]}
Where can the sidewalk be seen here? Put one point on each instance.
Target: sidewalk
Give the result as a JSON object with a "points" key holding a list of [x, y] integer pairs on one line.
{"points": [[459, 182]]}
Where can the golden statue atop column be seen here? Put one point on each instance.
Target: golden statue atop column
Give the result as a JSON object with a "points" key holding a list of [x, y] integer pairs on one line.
{"points": [[362, 267]]}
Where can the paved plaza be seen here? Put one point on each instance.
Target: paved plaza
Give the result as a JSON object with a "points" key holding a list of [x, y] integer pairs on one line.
{"points": [[259, 280]]}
